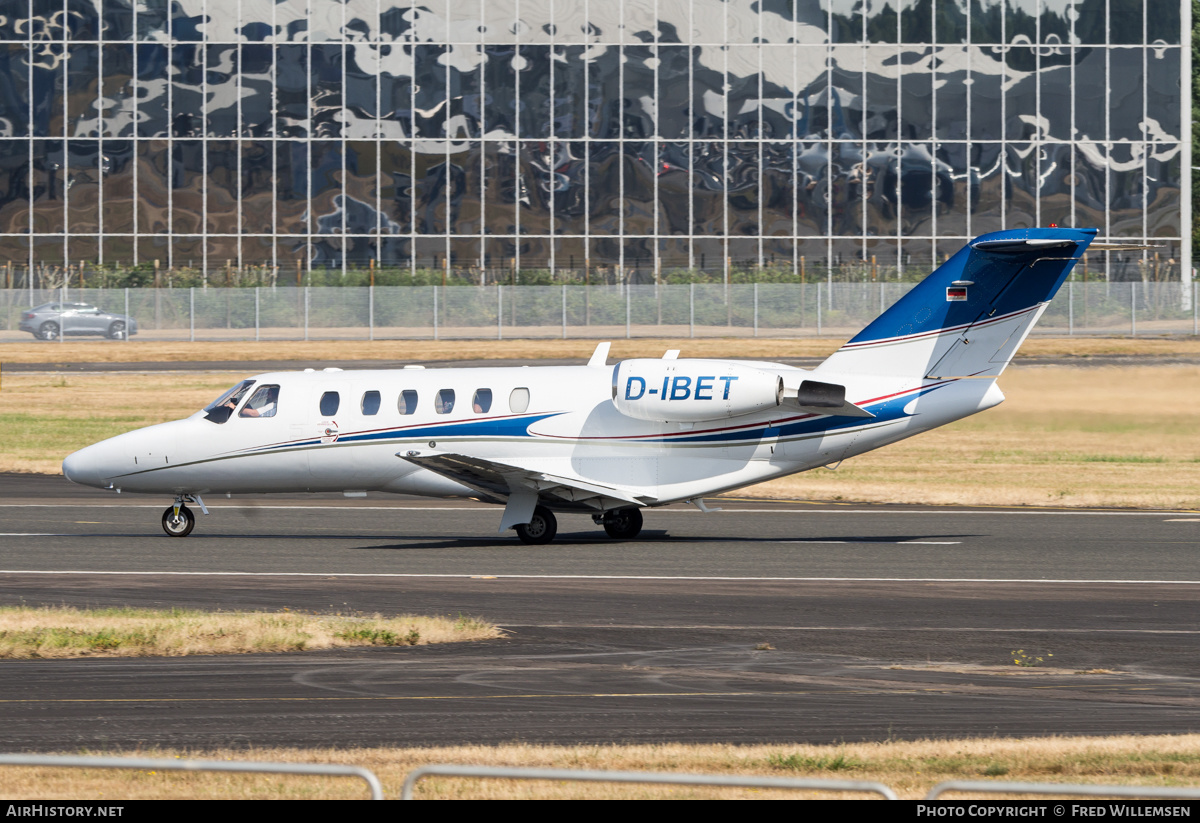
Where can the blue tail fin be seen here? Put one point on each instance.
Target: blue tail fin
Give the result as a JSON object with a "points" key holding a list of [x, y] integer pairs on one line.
{"points": [[969, 316]]}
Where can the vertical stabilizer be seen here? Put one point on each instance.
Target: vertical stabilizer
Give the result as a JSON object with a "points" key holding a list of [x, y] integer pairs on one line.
{"points": [[968, 317]]}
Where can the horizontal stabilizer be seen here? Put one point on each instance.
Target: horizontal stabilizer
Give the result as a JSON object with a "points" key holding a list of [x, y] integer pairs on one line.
{"points": [[496, 480], [1124, 247], [815, 397], [847, 409]]}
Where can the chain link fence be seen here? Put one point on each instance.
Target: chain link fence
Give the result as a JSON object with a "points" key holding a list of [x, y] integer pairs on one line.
{"points": [[836, 310]]}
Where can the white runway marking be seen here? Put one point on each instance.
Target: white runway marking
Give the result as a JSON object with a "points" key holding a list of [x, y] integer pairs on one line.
{"points": [[332, 505], [338, 504], [880, 629], [881, 542], [490, 577]]}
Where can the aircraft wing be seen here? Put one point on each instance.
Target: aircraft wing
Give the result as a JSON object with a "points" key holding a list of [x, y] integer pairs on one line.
{"points": [[497, 481]]}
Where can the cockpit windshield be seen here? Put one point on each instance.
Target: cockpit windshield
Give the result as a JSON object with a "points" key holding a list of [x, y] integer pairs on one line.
{"points": [[219, 410]]}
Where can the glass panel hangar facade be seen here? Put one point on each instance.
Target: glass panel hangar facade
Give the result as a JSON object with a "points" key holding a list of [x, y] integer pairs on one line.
{"points": [[641, 135]]}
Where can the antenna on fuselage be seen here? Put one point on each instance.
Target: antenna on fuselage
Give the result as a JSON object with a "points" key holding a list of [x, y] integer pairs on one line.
{"points": [[599, 358]]}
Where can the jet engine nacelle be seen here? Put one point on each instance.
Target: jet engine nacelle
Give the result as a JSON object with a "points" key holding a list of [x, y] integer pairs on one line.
{"points": [[688, 391]]}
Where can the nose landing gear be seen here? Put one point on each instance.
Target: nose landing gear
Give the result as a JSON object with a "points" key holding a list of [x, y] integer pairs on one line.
{"points": [[178, 520]]}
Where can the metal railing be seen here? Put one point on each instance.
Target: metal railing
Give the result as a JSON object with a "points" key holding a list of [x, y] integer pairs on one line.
{"points": [[592, 776], [74, 762], [1083, 789], [599, 312], [598, 776]]}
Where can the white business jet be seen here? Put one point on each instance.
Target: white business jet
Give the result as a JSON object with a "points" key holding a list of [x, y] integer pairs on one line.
{"points": [[598, 439]]}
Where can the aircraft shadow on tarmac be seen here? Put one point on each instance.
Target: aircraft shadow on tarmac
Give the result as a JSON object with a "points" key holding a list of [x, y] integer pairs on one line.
{"points": [[427, 541], [590, 539]]}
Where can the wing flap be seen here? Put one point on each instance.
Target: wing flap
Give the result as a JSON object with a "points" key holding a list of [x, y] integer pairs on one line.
{"points": [[497, 480]]}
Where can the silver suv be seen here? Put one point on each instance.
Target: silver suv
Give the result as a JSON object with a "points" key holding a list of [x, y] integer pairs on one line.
{"points": [[51, 320]]}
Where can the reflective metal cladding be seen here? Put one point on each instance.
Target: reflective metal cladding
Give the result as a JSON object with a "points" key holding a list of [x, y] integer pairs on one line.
{"points": [[679, 133]]}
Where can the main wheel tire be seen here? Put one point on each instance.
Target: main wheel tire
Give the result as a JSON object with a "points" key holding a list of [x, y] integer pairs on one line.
{"points": [[117, 330], [48, 330], [624, 524], [180, 526], [539, 530]]}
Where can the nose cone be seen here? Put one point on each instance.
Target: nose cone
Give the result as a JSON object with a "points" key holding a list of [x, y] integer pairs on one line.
{"points": [[87, 467]]}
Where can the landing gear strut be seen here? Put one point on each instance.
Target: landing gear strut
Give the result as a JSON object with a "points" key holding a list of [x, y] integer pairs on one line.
{"points": [[623, 524], [178, 520], [541, 529]]}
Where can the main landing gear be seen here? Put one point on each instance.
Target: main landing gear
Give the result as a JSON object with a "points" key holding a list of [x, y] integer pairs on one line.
{"points": [[178, 520], [541, 529], [624, 524]]}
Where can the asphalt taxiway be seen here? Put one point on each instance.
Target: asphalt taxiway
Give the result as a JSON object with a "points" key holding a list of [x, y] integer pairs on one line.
{"points": [[768, 621]]}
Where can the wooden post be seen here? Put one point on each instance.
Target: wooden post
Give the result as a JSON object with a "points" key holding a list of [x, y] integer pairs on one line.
{"points": [[372, 271], [156, 274], [297, 272]]}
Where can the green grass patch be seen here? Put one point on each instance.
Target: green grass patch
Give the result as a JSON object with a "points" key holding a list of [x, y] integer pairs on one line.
{"points": [[59, 434], [1120, 458], [380, 637], [27, 633], [806, 763]]}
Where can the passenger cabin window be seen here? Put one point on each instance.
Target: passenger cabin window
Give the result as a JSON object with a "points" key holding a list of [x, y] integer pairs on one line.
{"points": [[370, 403], [407, 402], [518, 401], [482, 402], [264, 403], [330, 401], [444, 402], [219, 410]]}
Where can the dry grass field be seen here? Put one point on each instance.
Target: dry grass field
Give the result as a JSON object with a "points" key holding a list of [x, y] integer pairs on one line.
{"points": [[60, 632], [909, 768], [1064, 437], [1097, 436], [315, 353]]}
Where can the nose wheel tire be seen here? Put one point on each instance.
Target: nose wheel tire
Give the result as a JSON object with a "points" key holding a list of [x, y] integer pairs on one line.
{"points": [[48, 331], [624, 524], [178, 526], [541, 529]]}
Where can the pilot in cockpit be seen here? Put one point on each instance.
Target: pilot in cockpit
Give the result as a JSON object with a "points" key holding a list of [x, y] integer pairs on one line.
{"points": [[262, 404]]}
